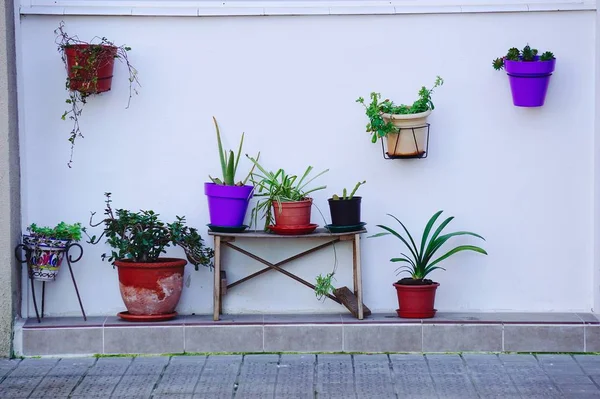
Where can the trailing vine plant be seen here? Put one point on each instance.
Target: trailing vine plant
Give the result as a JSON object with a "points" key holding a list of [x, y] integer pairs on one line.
{"points": [[82, 79]]}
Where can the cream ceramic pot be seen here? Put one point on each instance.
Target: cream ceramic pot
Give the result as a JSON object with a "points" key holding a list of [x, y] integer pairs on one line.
{"points": [[411, 139]]}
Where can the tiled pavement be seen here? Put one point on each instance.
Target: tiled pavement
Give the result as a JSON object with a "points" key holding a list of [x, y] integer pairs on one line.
{"points": [[305, 376]]}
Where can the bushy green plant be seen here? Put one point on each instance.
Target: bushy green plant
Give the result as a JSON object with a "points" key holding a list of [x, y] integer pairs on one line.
{"points": [[142, 237], [419, 262], [378, 126], [345, 195], [229, 162], [528, 54], [278, 187], [62, 231]]}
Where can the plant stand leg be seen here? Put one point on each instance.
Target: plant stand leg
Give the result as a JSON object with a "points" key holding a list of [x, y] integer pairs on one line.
{"points": [[217, 280], [43, 296], [37, 314], [70, 260]]}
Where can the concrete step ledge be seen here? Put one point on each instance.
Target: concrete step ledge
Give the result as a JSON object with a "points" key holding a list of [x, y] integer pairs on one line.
{"points": [[447, 332]]}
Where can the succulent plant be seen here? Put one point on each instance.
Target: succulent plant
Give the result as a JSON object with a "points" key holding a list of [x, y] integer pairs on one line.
{"points": [[528, 54]]}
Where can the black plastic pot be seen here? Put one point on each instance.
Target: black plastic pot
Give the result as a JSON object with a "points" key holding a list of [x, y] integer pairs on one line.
{"points": [[345, 212]]}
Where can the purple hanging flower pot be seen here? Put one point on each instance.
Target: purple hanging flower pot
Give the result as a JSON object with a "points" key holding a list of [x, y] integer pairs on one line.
{"points": [[529, 81], [227, 205]]}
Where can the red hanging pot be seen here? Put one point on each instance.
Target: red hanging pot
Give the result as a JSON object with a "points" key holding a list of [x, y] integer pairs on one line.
{"points": [[90, 67], [416, 301]]}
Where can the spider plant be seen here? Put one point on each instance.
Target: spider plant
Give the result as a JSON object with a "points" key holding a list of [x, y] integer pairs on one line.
{"points": [[278, 187], [419, 263]]}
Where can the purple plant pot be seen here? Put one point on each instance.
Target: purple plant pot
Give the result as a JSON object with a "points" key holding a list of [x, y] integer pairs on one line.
{"points": [[227, 205], [529, 81]]}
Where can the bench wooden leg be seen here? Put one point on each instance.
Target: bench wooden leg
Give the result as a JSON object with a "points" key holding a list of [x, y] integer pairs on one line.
{"points": [[357, 274], [217, 280]]}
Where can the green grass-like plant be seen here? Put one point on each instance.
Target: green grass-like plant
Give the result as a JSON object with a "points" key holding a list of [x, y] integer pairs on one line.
{"points": [[528, 54], [229, 162], [277, 187], [419, 262]]}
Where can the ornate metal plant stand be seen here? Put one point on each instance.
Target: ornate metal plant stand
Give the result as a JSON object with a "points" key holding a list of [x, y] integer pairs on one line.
{"points": [[69, 258]]}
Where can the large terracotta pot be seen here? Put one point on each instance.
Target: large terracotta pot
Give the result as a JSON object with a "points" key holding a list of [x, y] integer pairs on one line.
{"points": [[153, 288], [412, 137], [416, 301], [295, 213]]}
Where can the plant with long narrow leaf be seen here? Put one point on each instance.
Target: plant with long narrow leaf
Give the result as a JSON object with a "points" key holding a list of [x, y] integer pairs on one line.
{"points": [[229, 162], [420, 261], [278, 187]]}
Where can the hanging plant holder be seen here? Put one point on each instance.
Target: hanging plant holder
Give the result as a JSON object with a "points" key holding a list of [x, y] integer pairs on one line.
{"points": [[408, 143], [90, 67]]}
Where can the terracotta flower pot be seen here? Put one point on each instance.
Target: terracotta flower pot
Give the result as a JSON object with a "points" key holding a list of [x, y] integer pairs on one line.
{"points": [[416, 301], [295, 213], [90, 67], [152, 288], [412, 137]]}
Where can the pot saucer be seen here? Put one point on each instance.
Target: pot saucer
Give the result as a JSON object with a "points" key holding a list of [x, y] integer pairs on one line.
{"points": [[344, 229], [142, 317], [417, 314], [293, 230], [227, 229]]}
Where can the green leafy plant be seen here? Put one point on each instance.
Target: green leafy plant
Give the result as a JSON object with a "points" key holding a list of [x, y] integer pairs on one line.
{"points": [[324, 285], [528, 54], [62, 231], [142, 237], [345, 195], [378, 126], [86, 69], [229, 162], [419, 262], [278, 187]]}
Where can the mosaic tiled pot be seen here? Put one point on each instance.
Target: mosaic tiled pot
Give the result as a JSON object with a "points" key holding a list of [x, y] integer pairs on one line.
{"points": [[44, 256]]}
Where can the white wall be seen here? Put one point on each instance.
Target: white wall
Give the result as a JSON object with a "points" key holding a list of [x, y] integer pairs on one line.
{"points": [[523, 178]]}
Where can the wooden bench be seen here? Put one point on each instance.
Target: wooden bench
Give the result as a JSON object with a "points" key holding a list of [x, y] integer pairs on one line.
{"points": [[344, 295]]}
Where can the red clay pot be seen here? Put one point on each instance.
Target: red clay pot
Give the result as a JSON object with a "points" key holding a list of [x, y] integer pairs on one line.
{"points": [[295, 213], [151, 288], [416, 301], [96, 61]]}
